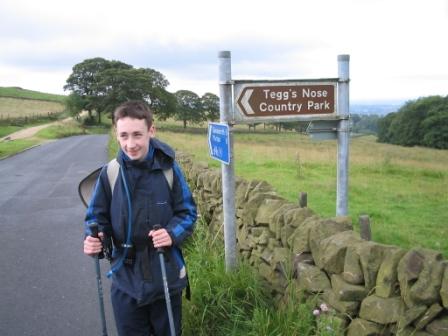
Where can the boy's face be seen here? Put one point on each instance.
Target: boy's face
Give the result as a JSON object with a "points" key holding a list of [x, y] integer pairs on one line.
{"points": [[133, 135]]}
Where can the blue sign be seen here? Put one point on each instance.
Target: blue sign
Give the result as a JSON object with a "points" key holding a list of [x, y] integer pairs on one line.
{"points": [[218, 142]]}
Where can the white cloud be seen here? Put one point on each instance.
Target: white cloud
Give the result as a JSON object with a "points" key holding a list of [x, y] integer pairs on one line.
{"points": [[397, 48], [34, 79]]}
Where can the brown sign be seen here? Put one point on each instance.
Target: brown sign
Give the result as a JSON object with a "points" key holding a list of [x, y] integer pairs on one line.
{"points": [[286, 100]]}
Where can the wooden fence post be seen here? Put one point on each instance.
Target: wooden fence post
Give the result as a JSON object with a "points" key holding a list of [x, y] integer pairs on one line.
{"points": [[303, 200], [364, 226]]}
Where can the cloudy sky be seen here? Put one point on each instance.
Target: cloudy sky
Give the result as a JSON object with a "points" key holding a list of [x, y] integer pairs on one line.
{"points": [[398, 48]]}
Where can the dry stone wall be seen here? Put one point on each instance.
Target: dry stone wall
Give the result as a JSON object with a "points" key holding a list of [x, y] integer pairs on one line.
{"points": [[376, 289]]}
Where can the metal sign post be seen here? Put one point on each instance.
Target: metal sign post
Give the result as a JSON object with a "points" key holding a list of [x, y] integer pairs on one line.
{"points": [[343, 136], [228, 172]]}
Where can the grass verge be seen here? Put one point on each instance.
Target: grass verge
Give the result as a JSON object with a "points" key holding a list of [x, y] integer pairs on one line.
{"points": [[12, 147]]}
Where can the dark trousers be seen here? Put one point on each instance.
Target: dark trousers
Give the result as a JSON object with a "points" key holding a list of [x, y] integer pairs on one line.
{"points": [[148, 320]]}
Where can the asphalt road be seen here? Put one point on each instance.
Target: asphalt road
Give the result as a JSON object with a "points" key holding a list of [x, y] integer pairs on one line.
{"points": [[47, 285]]}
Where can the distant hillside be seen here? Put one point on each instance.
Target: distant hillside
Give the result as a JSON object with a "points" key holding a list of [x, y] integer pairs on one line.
{"points": [[378, 109], [17, 92]]}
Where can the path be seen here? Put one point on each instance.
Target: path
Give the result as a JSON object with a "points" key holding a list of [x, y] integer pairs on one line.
{"points": [[31, 131]]}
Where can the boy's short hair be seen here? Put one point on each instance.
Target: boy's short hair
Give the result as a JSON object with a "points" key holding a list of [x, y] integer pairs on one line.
{"points": [[136, 109]]}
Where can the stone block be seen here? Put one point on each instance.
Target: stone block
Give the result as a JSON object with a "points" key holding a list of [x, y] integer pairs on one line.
{"points": [[409, 331], [370, 257], [409, 316], [273, 243], [250, 208], [444, 288], [296, 216], [323, 229], [267, 256], [329, 254], [382, 310], [256, 232], [277, 220], [360, 327], [304, 257], [428, 316], [345, 291], [299, 239], [345, 307], [387, 284], [426, 290], [266, 210], [282, 260], [420, 274], [265, 271], [286, 232], [240, 194], [438, 327], [312, 279], [352, 266], [263, 239]]}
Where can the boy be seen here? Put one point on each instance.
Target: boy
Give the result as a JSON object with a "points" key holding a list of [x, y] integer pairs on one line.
{"points": [[142, 199]]}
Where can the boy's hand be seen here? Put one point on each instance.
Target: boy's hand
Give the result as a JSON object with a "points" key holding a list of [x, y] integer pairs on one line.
{"points": [[93, 246], [160, 238]]}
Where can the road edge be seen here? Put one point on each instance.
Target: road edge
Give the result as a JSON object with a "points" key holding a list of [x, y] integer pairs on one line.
{"points": [[17, 153]]}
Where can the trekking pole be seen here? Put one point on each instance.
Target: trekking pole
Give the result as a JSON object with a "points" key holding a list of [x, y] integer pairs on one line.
{"points": [[161, 252], [94, 230]]}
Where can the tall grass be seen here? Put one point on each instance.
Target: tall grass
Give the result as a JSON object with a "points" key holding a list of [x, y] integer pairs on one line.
{"points": [[237, 303]]}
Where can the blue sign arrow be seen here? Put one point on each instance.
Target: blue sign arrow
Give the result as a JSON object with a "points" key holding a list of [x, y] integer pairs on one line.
{"points": [[219, 142]]}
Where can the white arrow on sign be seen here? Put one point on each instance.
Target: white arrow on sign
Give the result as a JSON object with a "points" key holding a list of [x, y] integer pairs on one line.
{"points": [[245, 101]]}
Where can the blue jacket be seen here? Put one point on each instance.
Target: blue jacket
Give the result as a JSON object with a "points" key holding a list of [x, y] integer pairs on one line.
{"points": [[152, 202]]}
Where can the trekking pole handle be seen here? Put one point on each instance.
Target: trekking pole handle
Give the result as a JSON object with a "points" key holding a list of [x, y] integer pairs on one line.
{"points": [[159, 250], [93, 229], [94, 233]]}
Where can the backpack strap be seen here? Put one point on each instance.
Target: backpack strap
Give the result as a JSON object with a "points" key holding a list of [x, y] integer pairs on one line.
{"points": [[169, 177], [112, 173], [114, 166]]}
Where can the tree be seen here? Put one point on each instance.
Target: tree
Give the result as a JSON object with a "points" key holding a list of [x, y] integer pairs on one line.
{"points": [[162, 102], [210, 105], [435, 125], [75, 104], [436, 130], [84, 81], [115, 86], [104, 84], [189, 108], [423, 122], [384, 131]]}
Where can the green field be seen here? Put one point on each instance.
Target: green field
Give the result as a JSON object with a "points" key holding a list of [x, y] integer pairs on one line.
{"points": [[15, 92], [18, 103], [13, 108], [403, 190]]}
